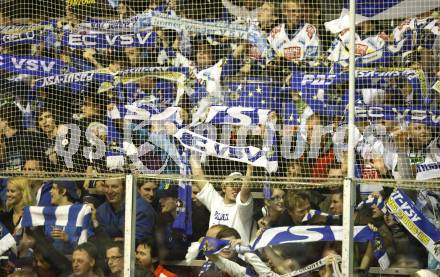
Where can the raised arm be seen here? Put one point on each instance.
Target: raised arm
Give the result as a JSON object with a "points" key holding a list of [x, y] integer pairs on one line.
{"points": [[245, 192], [197, 171]]}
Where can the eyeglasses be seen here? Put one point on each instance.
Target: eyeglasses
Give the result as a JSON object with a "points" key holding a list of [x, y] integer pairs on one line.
{"points": [[113, 259]]}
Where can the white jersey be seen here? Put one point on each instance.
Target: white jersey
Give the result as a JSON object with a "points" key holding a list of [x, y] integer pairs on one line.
{"points": [[304, 46], [237, 215]]}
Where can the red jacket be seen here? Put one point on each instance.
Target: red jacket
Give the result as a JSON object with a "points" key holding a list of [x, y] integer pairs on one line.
{"points": [[162, 272]]}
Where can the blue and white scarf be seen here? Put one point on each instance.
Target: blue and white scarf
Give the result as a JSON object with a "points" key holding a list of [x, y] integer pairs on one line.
{"points": [[246, 154], [240, 116], [301, 234], [370, 201], [414, 114], [108, 40], [108, 26], [312, 213], [32, 65], [76, 215], [407, 214], [71, 78], [7, 241], [22, 34]]}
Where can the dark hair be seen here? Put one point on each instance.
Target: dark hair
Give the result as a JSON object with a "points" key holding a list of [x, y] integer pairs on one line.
{"points": [[65, 191], [140, 183], [116, 244], [228, 232], [147, 242], [89, 248], [11, 113], [92, 251], [44, 110], [293, 197], [338, 191]]}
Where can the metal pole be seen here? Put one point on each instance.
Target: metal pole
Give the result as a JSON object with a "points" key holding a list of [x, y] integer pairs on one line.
{"points": [[130, 225], [349, 196]]}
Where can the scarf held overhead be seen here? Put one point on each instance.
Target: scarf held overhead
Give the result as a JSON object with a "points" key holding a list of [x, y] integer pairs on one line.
{"points": [[407, 214], [246, 154]]}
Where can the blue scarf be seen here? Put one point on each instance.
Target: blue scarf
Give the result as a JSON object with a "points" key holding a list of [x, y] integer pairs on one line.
{"points": [[315, 88], [32, 65], [109, 40], [22, 34], [413, 114], [246, 154], [408, 215], [73, 78]]}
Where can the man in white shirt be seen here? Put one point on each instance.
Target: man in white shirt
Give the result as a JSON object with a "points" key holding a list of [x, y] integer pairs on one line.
{"points": [[235, 209]]}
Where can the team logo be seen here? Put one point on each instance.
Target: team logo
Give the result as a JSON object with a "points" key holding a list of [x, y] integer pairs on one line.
{"points": [[275, 31], [343, 32], [378, 244], [292, 53], [234, 96], [114, 145], [436, 86], [437, 248], [254, 53], [65, 69], [310, 30], [361, 49], [179, 204], [206, 247], [384, 36], [270, 152]]}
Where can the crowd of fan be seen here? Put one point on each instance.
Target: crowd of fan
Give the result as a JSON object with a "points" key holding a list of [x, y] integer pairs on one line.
{"points": [[27, 144]]}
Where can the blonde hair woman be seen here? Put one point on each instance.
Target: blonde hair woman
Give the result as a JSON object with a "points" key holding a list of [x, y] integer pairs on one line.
{"points": [[18, 195]]}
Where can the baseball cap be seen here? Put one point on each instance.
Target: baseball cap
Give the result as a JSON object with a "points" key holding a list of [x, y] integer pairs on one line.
{"points": [[167, 189], [234, 176]]}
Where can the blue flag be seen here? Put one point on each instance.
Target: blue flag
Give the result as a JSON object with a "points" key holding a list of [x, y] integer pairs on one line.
{"points": [[211, 246], [183, 219], [257, 93], [114, 155]]}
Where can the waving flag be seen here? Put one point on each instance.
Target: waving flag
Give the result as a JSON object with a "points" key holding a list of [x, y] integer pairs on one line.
{"points": [[7, 241], [254, 92], [212, 246], [393, 9], [76, 215], [183, 219], [301, 234]]}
